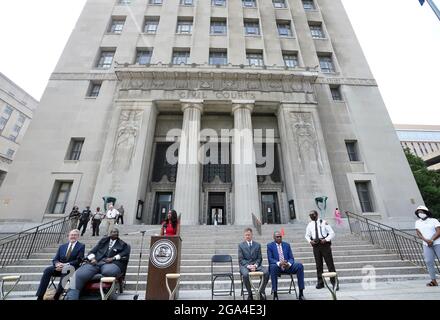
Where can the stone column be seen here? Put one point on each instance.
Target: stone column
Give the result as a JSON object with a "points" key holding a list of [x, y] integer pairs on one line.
{"points": [[187, 194], [245, 172]]}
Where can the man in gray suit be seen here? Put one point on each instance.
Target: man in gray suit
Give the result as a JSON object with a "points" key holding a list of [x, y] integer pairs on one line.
{"points": [[250, 259]]}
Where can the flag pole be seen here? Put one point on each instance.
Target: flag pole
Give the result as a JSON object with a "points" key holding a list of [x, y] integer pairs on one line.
{"points": [[434, 8]]}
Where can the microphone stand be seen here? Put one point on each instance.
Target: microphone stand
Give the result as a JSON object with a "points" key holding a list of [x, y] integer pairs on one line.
{"points": [[136, 296]]}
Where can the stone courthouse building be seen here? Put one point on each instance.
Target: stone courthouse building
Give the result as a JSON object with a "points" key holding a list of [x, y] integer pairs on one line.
{"points": [[135, 70]]}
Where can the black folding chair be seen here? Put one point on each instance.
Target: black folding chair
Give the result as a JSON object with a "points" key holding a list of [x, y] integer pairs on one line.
{"points": [[291, 285], [222, 259]]}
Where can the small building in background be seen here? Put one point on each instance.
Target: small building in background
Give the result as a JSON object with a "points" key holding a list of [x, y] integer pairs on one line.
{"points": [[423, 141], [16, 110]]}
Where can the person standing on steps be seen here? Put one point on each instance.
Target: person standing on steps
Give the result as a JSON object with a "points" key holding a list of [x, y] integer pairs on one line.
{"points": [[319, 234], [84, 219], [120, 217], [96, 221], [428, 229]]}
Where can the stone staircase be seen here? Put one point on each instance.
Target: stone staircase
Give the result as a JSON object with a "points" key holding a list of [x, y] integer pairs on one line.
{"points": [[353, 257]]}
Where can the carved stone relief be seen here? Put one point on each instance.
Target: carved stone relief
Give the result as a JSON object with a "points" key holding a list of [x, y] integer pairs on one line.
{"points": [[307, 142]]}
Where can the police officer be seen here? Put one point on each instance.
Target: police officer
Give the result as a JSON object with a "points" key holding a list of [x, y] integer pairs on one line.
{"points": [[319, 234], [84, 219]]}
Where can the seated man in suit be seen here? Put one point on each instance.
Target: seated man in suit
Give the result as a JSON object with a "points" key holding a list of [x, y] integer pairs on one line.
{"points": [[109, 258], [250, 259], [68, 255], [281, 260]]}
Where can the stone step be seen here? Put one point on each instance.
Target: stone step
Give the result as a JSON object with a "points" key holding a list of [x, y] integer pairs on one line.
{"points": [[226, 249], [135, 261], [31, 286], [196, 275], [206, 266]]}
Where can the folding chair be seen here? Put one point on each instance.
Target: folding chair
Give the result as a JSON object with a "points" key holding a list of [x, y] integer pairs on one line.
{"points": [[244, 292], [291, 285], [222, 259]]}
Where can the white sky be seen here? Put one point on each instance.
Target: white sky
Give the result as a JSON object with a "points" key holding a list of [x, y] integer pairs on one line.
{"points": [[401, 41]]}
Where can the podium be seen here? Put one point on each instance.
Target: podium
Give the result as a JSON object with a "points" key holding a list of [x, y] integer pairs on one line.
{"points": [[165, 253]]}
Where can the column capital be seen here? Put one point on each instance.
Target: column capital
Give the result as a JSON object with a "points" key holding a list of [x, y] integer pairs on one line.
{"points": [[247, 104], [194, 103]]}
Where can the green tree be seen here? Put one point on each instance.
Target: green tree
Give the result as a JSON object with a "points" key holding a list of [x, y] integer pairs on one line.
{"points": [[428, 182]]}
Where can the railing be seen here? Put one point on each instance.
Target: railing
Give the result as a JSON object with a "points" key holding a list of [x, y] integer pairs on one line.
{"points": [[257, 223], [21, 245], [408, 246]]}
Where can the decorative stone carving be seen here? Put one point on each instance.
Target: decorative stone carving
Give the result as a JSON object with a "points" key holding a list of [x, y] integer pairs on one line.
{"points": [[307, 142], [125, 140]]}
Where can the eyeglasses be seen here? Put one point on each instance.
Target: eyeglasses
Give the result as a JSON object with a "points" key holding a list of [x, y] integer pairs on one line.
{"points": [[278, 237]]}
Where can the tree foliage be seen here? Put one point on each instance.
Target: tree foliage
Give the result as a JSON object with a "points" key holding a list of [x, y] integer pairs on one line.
{"points": [[428, 182]]}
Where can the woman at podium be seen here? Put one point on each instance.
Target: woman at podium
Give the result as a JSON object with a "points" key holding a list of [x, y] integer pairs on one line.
{"points": [[170, 227]]}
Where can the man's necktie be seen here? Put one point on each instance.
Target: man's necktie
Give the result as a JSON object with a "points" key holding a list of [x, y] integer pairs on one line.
{"points": [[316, 230], [69, 251], [280, 253]]}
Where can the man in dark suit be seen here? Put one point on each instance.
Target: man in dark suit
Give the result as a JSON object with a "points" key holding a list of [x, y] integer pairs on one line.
{"points": [[109, 258], [68, 255], [250, 259], [281, 260]]}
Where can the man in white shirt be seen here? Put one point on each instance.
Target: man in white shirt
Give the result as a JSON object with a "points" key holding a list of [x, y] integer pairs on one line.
{"points": [[428, 229], [319, 234], [110, 217]]}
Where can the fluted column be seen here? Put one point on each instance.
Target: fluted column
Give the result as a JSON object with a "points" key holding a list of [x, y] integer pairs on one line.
{"points": [[187, 195], [245, 172]]}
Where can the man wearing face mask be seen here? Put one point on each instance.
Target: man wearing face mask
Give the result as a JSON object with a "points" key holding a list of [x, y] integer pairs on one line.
{"points": [[319, 234], [428, 229]]}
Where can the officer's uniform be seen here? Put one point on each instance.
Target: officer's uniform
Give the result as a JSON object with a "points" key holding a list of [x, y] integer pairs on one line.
{"points": [[317, 231]]}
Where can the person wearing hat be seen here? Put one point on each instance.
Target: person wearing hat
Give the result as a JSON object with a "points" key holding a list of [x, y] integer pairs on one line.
{"points": [[428, 229], [320, 235]]}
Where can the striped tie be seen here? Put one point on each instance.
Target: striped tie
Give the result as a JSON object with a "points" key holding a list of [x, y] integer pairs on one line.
{"points": [[280, 253]]}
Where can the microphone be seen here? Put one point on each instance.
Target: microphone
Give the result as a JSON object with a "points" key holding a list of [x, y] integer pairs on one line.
{"points": [[165, 225]]}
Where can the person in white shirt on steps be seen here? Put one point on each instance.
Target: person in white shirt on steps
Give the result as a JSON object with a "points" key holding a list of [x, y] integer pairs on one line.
{"points": [[110, 217], [428, 229]]}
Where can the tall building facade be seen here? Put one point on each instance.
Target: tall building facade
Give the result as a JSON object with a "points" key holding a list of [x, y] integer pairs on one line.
{"points": [[16, 110], [137, 75]]}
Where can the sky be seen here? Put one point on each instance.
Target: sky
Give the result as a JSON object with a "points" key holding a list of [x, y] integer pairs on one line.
{"points": [[400, 39]]}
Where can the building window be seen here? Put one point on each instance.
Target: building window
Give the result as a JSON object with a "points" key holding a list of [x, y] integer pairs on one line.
{"points": [[161, 166], [181, 56], [249, 3], [316, 30], [308, 5], [60, 197], [124, 2], [143, 57], [156, 2], [326, 64], [284, 29], [117, 25], [106, 59], [336, 93], [255, 58], [186, 2], [290, 60], [251, 27], [184, 26], [279, 3], [218, 57], [16, 131], [94, 89], [151, 25], [352, 150], [10, 153], [218, 3], [363, 190], [75, 148], [5, 116], [218, 27], [21, 118]]}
